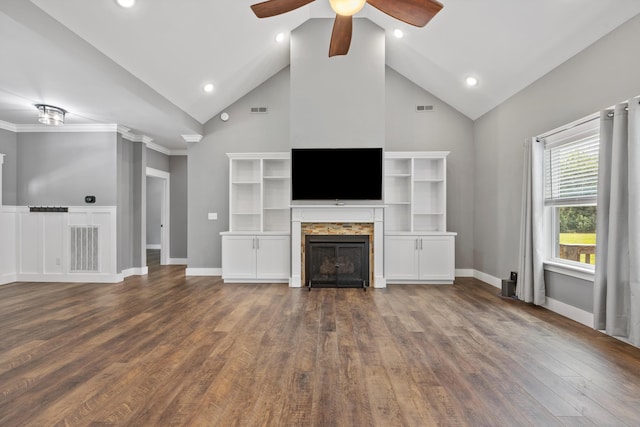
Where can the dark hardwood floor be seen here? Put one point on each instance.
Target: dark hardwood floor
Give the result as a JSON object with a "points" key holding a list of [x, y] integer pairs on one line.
{"points": [[170, 350]]}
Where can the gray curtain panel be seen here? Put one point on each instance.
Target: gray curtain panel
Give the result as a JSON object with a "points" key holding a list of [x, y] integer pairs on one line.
{"points": [[616, 308], [531, 287]]}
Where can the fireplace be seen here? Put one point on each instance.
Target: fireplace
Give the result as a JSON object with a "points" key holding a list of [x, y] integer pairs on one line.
{"points": [[337, 261], [364, 221]]}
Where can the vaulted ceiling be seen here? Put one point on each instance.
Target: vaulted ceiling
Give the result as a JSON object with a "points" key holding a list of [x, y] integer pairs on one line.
{"points": [[145, 67]]}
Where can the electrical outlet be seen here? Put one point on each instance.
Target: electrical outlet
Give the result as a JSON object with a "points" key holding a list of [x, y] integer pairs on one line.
{"points": [[58, 261]]}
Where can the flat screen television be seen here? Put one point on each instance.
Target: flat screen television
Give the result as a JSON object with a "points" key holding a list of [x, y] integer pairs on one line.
{"points": [[336, 173]]}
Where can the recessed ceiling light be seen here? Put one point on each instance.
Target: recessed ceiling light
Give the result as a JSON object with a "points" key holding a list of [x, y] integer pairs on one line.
{"points": [[398, 33], [126, 3], [280, 37], [208, 87], [471, 81]]}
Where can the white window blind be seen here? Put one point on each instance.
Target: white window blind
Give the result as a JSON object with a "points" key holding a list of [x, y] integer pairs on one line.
{"points": [[571, 165]]}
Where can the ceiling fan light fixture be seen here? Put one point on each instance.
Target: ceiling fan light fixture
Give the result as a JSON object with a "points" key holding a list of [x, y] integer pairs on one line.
{"points": [[347, 7], [50, 115]]}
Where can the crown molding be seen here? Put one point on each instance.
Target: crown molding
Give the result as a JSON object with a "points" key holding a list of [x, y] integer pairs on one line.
{"points": [[159, 148], [109, 127], [65, 128], [8, 126], [192, 138]]}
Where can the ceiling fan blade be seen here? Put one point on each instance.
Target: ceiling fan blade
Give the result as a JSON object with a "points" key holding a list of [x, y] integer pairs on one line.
{"points": [[270, 8], [341, 35], [413, 12]]}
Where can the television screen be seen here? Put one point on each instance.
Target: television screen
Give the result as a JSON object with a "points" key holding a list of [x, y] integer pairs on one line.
{"points": [[336, 173]]}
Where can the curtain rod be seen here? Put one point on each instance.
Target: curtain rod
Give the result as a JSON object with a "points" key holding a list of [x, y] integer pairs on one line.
{"points": [[565, 128], [572, 125]]}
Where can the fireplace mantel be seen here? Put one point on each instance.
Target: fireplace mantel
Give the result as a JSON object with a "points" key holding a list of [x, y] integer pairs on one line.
{"points": [[337, 213]]}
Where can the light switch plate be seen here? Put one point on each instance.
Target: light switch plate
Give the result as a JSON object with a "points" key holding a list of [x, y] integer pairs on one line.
{"points": [[212, 215]]}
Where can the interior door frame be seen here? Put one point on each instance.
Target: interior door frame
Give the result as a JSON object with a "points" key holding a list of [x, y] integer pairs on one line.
{"points": [[165, 222]]}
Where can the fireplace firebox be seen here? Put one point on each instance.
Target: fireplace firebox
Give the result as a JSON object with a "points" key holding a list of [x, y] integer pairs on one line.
{"points": [[337, 261]]}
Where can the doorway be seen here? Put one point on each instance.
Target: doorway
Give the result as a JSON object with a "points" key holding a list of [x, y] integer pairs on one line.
{"points": [[157, 208]]}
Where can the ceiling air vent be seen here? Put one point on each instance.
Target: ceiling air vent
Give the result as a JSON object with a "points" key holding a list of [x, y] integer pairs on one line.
{"points": [[424, 108], [258, 110]]}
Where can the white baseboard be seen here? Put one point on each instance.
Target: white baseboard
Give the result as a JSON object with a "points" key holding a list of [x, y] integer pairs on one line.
{"points": [[493, 281], [566, 310], [559, 307], [177, 261], [136, 271], [464, 272], [5, 279], [154, 246], [203, 272], [69, 278]]}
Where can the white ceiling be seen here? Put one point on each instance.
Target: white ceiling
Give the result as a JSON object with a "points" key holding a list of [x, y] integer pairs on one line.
{"points": [[144, 67]]}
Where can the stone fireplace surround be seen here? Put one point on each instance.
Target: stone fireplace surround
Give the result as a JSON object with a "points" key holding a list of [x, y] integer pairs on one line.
{"points": [[338, 219]]}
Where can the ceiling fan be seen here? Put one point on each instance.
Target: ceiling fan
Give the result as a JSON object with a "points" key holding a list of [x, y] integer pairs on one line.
{"points": [[413, 12]]}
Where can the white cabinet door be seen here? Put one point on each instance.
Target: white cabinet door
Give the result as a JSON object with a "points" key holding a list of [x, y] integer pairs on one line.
{"points": [[273, 259], [238, 257], [437, 258], [401, 257]]}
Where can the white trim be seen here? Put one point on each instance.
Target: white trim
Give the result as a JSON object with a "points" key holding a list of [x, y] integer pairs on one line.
{"points": [[68, 278], [154, 246], [67, 128], [159, 148], [587, 274], [203, 272], [493, 281], [8, 126], [569, 311], [256, 281], [165, 214], [135, 271], [2, 159], [464, 272], [157, 173], [574, 313], [5, 279], [178, 261], [192, 138]]}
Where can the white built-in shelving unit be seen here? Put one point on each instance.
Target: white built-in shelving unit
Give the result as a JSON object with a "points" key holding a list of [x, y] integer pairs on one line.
{"points": [[419, 249], [256, 247], [415, 191]]}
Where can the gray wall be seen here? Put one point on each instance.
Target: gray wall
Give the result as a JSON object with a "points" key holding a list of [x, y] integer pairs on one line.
{"points": [[157, 160], [131, 218], [178, 209], [8, 147], [338, 101], [443, 129], [600, 76], [60, 168], [154, 210], [208, 164]]}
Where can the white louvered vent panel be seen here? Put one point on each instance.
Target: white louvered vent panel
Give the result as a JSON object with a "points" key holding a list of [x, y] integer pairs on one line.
{"points": [[83, 249]]}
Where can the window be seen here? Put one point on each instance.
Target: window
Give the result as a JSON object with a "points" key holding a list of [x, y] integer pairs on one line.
{"points": [[571, 188]]}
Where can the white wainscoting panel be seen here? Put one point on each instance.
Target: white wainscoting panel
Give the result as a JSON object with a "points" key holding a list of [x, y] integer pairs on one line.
{"points": [[43, 244], [7, 244]]}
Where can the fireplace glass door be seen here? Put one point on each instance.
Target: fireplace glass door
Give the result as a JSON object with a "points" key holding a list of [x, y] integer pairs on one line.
{"points": [[337, 261]]}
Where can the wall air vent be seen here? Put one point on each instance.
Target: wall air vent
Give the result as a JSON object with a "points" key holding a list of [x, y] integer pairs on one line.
{"points": [[258, 110], [84, 254], [424, 108]]}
